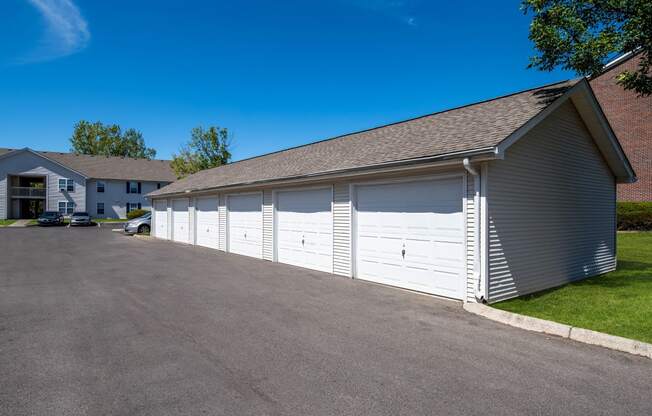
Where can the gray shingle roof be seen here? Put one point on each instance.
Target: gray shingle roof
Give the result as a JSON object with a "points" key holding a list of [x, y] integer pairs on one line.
{"points": [[472, 127], [120, 168]]}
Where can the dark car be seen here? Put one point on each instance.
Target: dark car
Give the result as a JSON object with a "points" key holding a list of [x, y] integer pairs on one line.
{"points": [[80, 218], [50, 218]]}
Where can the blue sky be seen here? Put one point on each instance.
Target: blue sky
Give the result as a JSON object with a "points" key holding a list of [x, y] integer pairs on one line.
{"points": [[276, 73]]}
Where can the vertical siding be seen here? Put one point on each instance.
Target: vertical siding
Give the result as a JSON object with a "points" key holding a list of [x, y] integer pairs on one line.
{"points": [[551, 209], [191, 220], [221, 211], [4, 201], [342, 230], [470, 237], [152, 222], [268, 225], [170, 225]]}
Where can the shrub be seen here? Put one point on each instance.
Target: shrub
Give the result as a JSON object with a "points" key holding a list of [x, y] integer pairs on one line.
{"points": [[136, 213], [634, 216]]}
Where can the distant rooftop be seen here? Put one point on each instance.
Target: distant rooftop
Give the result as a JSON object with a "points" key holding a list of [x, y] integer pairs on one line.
{"points": [[111, 167]]}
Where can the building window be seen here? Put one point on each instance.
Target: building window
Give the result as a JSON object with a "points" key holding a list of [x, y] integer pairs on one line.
{"points": [[158, 185], [66, 185], [132, 206], [100, 187], [100, 208], [66, 207], [133, 187]]}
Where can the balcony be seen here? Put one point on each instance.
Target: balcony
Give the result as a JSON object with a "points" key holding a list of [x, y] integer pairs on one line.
{"points": [[26, 192]]}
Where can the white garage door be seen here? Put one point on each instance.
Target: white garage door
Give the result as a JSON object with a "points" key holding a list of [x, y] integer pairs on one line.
{"points": [[161, 219], [245, 220], [411, 235], [207, 230], [304, 224], [180, 221]]}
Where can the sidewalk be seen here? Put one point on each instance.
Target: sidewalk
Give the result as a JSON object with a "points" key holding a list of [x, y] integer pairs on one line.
{"points": [[20, 223]]}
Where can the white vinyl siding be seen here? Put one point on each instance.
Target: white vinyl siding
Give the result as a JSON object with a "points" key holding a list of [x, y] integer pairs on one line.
{"points": [[342, 229], [115, 197], [222, 215], [268, 225], [29, 164], [551, 205], [471, 240]]}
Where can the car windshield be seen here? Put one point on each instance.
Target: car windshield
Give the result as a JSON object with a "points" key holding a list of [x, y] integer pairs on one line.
{"points": [[50, 214], [80, 214]]}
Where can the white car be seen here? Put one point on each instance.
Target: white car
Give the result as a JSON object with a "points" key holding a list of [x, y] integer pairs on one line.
{"points": [[140, 225], [80, 218]]}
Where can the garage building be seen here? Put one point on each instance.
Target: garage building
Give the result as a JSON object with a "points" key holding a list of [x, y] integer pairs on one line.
{"points": [[479, 203]]}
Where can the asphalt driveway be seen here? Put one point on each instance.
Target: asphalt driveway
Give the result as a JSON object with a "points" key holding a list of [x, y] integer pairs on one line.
{"points": [[96, 323]]}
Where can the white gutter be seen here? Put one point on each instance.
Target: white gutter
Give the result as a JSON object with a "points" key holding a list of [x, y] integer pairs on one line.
{"points": [[390, 167], [477, 267]]}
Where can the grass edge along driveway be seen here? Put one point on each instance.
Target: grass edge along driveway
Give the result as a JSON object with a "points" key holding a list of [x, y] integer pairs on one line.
{"points": [[617, 303]]}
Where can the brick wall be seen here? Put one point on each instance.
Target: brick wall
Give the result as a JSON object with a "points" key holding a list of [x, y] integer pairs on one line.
{"points": [[631, 119]]}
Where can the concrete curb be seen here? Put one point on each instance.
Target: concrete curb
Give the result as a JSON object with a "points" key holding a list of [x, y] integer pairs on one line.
{"points": [[565, 331]]}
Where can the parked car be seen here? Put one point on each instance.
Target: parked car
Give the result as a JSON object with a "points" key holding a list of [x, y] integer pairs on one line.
{"points": [[139, 225], [50, 218], [80, 218]]}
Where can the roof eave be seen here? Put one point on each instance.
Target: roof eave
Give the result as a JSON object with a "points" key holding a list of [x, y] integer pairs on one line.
{"points": [[27, 149], [487, 153], [582, 97]]}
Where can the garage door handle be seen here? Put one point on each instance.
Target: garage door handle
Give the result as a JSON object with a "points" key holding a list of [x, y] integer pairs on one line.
{"points": [[303, 241], [403, 253]]}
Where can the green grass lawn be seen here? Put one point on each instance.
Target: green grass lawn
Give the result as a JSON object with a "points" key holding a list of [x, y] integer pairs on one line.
{"points": [[617, 303], [4, 223]]}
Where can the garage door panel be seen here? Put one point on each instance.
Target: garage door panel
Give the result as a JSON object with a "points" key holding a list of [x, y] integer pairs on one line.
{"points": [[423, 218], [304, 227], [207, 222], [245, 225], [161, 219], [181, 221]]}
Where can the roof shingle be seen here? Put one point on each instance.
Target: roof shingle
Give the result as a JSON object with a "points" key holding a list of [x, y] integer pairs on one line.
{"points": [[112, 167], [472, 127]]}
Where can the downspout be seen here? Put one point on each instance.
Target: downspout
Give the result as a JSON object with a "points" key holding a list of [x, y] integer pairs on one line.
{"points": [[477, 267]]}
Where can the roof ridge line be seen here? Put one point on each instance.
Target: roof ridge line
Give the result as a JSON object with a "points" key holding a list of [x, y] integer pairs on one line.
{"points": [[395, 123]]}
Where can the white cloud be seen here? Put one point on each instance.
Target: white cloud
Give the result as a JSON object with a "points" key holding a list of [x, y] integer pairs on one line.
{"points": [[66, 30]]}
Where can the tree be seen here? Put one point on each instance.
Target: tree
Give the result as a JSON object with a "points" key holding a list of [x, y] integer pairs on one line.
{"points": [[582, 35], [108, 140], [207, 148]]}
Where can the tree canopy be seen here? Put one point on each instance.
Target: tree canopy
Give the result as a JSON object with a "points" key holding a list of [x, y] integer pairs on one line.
{"points": [[207, 148], [109, 140], [582, 35]]}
